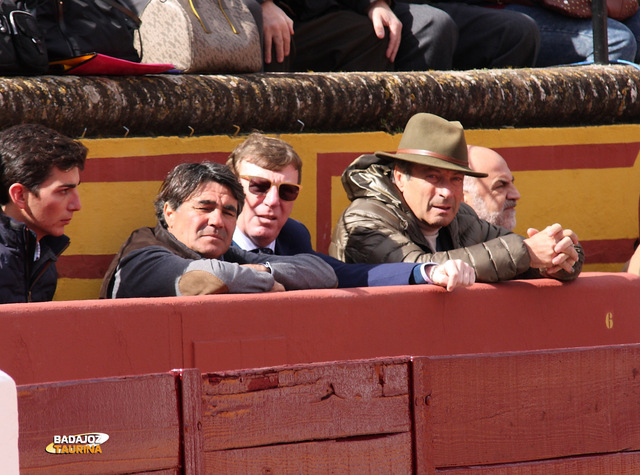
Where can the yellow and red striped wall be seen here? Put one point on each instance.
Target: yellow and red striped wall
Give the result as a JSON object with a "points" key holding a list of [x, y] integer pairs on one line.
{"points": [[585, 178]]}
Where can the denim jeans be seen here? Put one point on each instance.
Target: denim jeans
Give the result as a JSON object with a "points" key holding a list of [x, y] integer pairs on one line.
{"points": [[566, 40]]}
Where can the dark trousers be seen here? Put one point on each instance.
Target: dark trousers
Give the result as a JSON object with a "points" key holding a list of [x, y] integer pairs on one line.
{"points": [[492, 38], [338, 41], [441, 35], [457, 35]]}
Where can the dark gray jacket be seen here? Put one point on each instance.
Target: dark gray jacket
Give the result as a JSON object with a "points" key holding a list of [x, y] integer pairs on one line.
{"points": [[153, 263], [378, 226], [22, 279]]}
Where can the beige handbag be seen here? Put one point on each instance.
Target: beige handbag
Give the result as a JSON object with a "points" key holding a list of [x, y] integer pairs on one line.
{"points": [[200, 36]]}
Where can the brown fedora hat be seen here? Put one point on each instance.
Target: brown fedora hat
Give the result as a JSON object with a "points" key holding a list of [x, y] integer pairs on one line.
{"points": [[434, 141]]}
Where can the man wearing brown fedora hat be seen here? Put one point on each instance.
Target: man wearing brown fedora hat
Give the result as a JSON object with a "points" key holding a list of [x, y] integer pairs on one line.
{"points": [[408, 207]]}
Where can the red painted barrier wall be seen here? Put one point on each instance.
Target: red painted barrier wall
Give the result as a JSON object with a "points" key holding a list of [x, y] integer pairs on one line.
{"points": [[90, 339]]}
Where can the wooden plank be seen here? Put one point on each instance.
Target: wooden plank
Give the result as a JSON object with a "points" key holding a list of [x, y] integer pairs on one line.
{"points": [[490, 409], [422, 445], [626, 463], [377, 455], [307, 402], [190, 382], [139, 414]]}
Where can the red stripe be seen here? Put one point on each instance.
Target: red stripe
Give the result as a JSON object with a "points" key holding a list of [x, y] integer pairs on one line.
{"points": [[150, 168], [328, 166], [560, 157], [83, 266], [555, 157], [608, 251]]}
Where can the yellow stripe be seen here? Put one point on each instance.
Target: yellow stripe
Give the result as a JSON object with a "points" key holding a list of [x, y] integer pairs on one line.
{"points": [[110, 211], [553, 136], [150, 146], [78, 289], [596, 203]]}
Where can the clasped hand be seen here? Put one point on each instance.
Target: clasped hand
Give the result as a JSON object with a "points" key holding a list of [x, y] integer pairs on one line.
{"points": [[552, 249]]}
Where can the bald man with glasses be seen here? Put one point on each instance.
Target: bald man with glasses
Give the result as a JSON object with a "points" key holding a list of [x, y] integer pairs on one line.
{"points": [[270, 170]]}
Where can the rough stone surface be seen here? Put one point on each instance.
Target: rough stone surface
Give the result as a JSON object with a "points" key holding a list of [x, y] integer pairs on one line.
{"points": [[103, 106]]}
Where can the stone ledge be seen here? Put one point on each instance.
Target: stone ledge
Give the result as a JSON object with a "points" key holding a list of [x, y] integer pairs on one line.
{"points": [[103, 106]]}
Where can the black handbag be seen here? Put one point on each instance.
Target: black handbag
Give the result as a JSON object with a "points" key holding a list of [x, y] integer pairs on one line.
{"points": [[22, 47], [76, 27]]}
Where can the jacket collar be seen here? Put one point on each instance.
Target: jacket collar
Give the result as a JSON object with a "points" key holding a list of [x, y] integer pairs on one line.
{"points": [[51, 246]]}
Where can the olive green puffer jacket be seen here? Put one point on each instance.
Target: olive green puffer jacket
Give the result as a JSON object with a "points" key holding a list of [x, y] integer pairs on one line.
{"points": [[378, 227]]}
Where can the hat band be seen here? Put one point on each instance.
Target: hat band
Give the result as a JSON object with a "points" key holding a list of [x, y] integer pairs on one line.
{"points": [[428, 153]]}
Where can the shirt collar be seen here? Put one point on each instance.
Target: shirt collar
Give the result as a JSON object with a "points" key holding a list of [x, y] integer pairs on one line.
{"points": [[243, 241]]}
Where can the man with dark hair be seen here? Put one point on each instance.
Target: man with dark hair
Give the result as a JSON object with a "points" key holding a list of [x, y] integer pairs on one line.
{"points": [[39, 177], [408, 207], [188, 252], [270, 171]]}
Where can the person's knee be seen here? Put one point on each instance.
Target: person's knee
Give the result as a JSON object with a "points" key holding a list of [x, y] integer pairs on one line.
{"points": [[428, 20], [444, 26], [429, 38], [521, 32], [523, 28], [622, 42]]}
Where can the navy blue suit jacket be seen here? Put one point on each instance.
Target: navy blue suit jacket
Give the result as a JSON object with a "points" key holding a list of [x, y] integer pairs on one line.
{"points": [[294, 238]]}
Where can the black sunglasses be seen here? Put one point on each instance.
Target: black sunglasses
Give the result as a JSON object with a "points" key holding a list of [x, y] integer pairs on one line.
{"points": [[261, 186]]}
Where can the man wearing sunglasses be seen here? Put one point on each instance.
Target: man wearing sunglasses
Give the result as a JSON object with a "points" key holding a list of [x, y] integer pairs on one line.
{"points": [[270, 172], [188, 252]]}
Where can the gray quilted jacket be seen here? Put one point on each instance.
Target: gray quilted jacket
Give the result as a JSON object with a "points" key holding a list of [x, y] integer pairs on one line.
{"points": [[379, 227]]}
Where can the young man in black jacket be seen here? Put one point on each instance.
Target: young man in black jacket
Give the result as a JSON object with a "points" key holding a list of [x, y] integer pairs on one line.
{"points": [[39, 177]]}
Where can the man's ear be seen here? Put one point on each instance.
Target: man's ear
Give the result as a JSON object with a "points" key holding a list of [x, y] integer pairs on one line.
{"points": [[18, 195], [399, 179], [168, 212]]}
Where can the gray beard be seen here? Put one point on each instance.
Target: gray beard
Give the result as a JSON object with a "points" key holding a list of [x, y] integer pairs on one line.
{"points": [[505, 218]]}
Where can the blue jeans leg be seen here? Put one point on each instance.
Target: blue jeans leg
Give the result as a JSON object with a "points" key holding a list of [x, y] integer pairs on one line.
{"points": [[633, 23], [566, 40]]}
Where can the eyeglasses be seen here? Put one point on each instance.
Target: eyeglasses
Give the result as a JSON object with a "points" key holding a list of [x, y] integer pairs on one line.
{"points": [[261, 186]]}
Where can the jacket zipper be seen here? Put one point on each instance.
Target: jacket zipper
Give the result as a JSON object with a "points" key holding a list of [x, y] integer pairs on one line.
{"points": [[42, 271]]}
